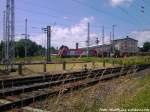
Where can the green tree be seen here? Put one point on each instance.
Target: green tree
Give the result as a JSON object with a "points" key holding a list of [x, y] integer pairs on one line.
{"points": [[146, 47], [32, 48], [1, 50]]}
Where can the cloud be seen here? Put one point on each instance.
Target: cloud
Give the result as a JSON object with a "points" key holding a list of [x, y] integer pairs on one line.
{"points": [[120, 2], [141, 36], [65, 17], [78, 33], [68, 35]]}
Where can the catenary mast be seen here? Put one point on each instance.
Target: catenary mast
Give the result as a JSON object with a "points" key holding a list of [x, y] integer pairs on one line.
{"points": [[9, 34]]}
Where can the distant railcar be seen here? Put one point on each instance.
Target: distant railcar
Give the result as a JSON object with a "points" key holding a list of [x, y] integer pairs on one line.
{"points": [[65, 52]]}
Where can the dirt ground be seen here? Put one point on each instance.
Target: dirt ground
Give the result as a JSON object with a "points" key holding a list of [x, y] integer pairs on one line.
{"points": [[36, 70]]}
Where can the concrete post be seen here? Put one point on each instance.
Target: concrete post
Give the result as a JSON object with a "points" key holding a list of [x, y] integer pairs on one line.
{"points": [[64, 65], [44, 67], [20, 69]]}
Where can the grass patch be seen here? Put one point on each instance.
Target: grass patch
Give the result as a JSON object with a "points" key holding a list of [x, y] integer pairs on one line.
{"points": [[141, 99], [134, 94], [122, 61]]}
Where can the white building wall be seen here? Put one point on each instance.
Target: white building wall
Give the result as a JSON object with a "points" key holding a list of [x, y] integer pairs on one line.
{"points": [[126, 46]]}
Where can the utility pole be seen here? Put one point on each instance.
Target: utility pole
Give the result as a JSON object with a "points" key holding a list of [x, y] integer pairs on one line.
{"points": [[103, 38], [9, 30], [88, 39], [45, 36], [48, 43], [12, 32], [110, 38], [4, 34], [26, 37], [113, 38], [110, 44]]}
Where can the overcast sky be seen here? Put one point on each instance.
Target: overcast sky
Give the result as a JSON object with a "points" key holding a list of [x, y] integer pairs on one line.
{"points": [[70, 18]]}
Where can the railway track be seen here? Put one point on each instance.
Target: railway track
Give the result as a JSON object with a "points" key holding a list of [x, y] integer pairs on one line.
{"points": [[53, 77], [15, 90], [22, 95]]}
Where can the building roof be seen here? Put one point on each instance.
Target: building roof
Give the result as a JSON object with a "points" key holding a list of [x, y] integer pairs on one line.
{"points": [[96, 46], [127, 38]]}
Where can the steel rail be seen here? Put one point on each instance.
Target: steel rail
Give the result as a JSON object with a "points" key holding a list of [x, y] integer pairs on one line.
{"points": [[55, 77], [32, 87], [52, 77], [42, 95]]}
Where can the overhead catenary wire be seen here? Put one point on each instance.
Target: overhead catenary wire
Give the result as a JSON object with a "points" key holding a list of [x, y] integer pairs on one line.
{"points": [[45, 7], [53, 16], [127, 13], [79, 2], [142, 7], [146, 2], [104, 12]]}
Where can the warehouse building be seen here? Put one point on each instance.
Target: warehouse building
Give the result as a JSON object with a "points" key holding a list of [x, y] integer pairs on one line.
{"points": [[120, 47], [126, 46]]}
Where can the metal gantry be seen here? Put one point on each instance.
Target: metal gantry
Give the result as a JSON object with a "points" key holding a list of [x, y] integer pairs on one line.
{"points": [[9, 34]]}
